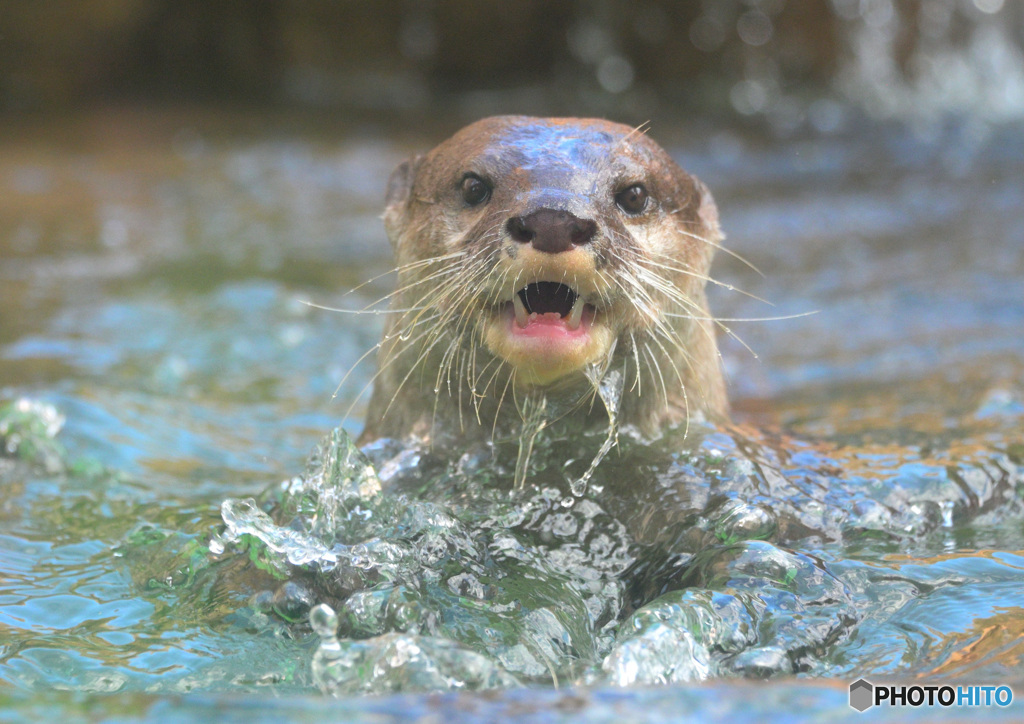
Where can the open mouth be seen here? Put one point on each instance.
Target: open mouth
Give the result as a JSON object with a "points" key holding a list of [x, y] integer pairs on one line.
{"points": [[547, 332], [549, 303]]}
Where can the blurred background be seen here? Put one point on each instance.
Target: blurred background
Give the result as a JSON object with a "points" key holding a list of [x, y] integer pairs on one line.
{"points": [[795, 62]]}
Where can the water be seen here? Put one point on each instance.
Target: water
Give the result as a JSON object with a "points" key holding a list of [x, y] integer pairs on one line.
{"points": [[162, 376]]}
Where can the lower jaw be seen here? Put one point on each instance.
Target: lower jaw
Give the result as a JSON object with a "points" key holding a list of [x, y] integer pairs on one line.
{"points": [[542, 357]]}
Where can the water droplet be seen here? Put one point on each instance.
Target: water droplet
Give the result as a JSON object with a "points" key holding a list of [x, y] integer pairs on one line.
{"points": [[324, 620], [579, 487]]}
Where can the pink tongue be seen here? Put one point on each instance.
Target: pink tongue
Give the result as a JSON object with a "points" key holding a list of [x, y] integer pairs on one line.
{"points": [[551, 325]]}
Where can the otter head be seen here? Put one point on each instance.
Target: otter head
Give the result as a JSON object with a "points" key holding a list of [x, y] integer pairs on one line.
{"points": [[530, 248]]}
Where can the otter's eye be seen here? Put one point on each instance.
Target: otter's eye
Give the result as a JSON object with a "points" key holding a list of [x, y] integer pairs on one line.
{"points": [[632, 199], [475, 190]]}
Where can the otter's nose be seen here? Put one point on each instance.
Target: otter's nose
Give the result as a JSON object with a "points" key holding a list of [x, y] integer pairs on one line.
{"points": [[551, 231]]}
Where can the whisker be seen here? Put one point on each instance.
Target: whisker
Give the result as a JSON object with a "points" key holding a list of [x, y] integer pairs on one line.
{"points": [[742, 319], [637, 130], [406, 267], [717, 245], [703, 277], [388, 360], [355, 364]]}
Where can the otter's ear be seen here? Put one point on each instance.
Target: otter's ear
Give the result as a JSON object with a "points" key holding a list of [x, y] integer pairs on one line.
{"points": [[399, 190], [707, 211]]}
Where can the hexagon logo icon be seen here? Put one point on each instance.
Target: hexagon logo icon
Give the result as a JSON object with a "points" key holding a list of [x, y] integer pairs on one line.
{"points": [[861, 695]]}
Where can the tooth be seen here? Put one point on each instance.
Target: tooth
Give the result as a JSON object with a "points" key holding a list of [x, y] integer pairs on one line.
{"points": [[576, 315], [522, 318]]}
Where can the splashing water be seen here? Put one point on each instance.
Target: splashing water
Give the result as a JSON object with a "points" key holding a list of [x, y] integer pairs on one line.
{"points": [[537, 413], [480, 590], [535, 419], [609, 388], [338, 486], [28, 429]]}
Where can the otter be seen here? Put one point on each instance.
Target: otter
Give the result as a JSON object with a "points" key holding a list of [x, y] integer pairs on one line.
{"points": [[535, 255]]}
